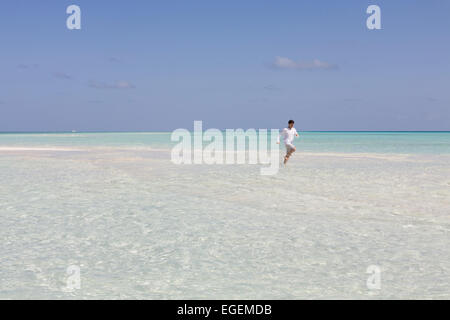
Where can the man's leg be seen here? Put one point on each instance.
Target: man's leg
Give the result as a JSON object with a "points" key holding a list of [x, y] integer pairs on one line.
{"points": [[290, 149], [286, 157]]}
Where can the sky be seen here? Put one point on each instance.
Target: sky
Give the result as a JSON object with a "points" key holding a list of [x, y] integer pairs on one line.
{"points": [[159, 65]]}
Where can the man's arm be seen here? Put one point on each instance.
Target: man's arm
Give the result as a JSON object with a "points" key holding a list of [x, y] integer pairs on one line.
{"points": [[279, 136]]}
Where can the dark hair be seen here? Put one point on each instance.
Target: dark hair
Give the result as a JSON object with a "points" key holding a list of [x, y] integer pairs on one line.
{"points": [[290, 121]]}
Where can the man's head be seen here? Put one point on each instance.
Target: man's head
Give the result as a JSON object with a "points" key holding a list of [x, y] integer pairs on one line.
{"points": [[290, 124]]}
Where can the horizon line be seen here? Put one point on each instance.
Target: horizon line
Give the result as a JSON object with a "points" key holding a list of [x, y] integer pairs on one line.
{"points": [[143, 131]]}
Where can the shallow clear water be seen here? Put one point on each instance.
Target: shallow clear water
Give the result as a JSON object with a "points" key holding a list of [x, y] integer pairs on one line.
{"points": [[139, 226], [380, 142]]}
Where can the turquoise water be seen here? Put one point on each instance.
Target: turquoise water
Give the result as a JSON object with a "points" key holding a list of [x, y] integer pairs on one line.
{"points": [[359, 142]]}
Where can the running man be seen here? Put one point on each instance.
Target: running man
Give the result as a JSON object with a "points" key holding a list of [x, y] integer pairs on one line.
{"points": [[288, 135]]}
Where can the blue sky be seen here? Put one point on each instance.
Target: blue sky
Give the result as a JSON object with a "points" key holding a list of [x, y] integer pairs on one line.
{"points": [[160, 65]]}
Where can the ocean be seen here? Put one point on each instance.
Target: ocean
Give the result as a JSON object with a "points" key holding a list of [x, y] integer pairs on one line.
{"points": [[326, 141], [353, 215]]}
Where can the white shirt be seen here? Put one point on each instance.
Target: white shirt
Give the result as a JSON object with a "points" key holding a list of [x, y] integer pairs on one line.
{"points": [[288, 135]]}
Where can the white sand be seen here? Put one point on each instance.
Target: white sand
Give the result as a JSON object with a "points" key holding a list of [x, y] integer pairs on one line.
{"points": [[141, 227], [37, 149]]}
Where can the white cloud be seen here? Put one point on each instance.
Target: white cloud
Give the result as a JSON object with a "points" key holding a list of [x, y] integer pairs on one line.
{"points": [[114, 59], [62, 75], [116, 85], [286, 63], [27, 66], [272, 87]]}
